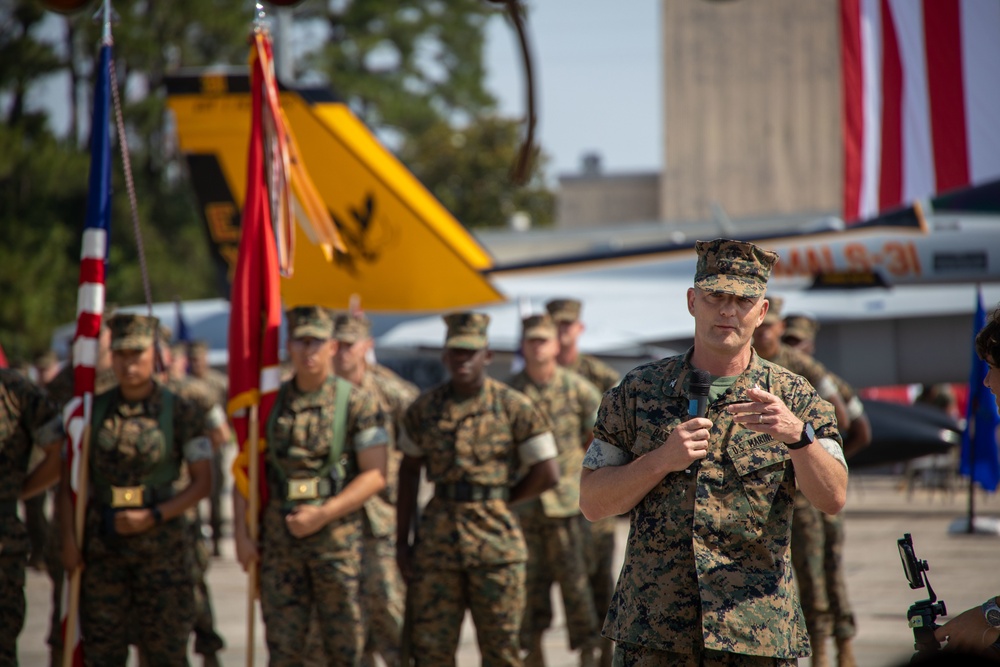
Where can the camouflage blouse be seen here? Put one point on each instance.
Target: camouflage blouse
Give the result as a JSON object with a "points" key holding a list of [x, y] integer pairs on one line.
{"points": [[487, 439], [27, 418], [603, 376], [570, 402], [708, 561]]}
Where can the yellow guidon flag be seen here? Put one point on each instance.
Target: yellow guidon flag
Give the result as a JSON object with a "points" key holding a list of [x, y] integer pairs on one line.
{"points": [[404, 251]]}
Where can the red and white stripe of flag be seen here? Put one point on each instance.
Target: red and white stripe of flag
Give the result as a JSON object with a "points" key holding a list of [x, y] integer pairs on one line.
{"points": [[921, 100]]}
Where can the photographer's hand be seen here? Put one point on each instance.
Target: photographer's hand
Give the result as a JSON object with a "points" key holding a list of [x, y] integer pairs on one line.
{"points": [[968, 631]]}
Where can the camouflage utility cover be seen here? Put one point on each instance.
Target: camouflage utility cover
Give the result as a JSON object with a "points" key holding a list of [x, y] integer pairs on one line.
{"points": [[734, 267], [801, 327], [466, 330], [713, 545], [351, 327], [473, 440], [564, 310], [132, 332], [570, 402], [309, 322]]}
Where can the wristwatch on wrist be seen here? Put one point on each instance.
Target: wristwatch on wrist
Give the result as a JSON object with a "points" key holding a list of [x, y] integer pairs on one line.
{"points": [[992, 612], [808, 437]]}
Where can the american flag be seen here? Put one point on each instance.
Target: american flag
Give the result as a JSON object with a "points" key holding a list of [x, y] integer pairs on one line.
{"points": [[921, 102], [89, 308]]}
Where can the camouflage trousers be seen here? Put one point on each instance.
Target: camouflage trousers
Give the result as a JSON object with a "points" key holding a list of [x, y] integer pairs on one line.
{"points": [[318, 574], [206, 639], [818, 557], [137, 590], [633, 655], [807, 562], [495, 596], [53, 563], [556, 554], [11, 606], [383, 593], [836, 581], [599, 538]]}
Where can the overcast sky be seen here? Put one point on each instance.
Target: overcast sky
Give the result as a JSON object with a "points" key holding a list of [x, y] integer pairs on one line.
{"points": [[597, 66]]}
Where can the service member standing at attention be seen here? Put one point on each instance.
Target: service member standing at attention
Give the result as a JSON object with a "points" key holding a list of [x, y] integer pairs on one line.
{"points": [[137, 553], [707, 578], [475, 435], [600, 535], [28, 418], [326, 449], [199, 368], [552, 523], [382, 589], [800, 333]]}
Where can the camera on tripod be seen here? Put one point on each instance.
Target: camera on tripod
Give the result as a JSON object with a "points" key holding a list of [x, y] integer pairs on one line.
{"points": [[923, 614]]}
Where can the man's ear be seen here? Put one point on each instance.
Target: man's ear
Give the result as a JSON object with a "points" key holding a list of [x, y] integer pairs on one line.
{"points": [[690, 300]]}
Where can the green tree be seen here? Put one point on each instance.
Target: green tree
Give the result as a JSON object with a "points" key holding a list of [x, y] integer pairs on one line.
{"points": [[413, 71]]}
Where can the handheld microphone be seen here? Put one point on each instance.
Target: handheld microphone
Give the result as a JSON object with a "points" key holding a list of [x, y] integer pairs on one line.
{"points": [[698, 388]]}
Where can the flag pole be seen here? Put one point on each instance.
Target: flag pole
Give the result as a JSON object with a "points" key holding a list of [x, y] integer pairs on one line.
{"points": [[970, 527], [253, 526], [79, 522]]}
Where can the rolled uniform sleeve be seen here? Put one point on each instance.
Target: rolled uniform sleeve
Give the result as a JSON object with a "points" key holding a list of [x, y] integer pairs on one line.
{"points": [[366, 421], [191, 421], [834, 449], [537, 449], [614, 431], [197, 449], [531, 431]]}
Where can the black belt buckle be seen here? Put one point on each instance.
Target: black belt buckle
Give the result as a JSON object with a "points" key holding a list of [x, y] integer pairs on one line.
{"points": [[462, 493]]}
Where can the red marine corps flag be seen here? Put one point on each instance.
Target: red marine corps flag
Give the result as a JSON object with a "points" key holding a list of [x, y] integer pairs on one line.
{"points": [[255, 302], [89, 308]]}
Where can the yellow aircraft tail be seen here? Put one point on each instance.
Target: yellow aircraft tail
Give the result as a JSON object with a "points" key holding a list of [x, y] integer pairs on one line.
{"points": [[405, 251]]}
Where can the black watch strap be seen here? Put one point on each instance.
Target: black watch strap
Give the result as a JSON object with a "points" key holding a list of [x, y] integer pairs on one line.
{"points": [[807, 438]]}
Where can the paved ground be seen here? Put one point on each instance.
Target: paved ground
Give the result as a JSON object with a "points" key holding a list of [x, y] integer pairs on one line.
{"points": [[963, 573]]}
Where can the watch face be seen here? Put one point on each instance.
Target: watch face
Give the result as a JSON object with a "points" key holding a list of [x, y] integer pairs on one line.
{"points": [[993, 617]]}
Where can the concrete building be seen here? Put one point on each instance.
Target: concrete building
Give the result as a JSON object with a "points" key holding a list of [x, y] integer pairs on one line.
{"points": [[752, 113]]}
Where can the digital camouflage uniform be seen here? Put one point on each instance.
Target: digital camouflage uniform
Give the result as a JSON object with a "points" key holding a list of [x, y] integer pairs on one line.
{"points": [[471, 555], [808, 523], [383, 591], [714, 544], [844, 626], [319, 573], [207, 640], [600, 534], [146, 576], [552, 523], [218, 384], [61, 391], [28, 417]]}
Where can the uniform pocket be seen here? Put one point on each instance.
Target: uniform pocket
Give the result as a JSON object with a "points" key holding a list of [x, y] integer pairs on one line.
{"points": [[762, 472]]}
